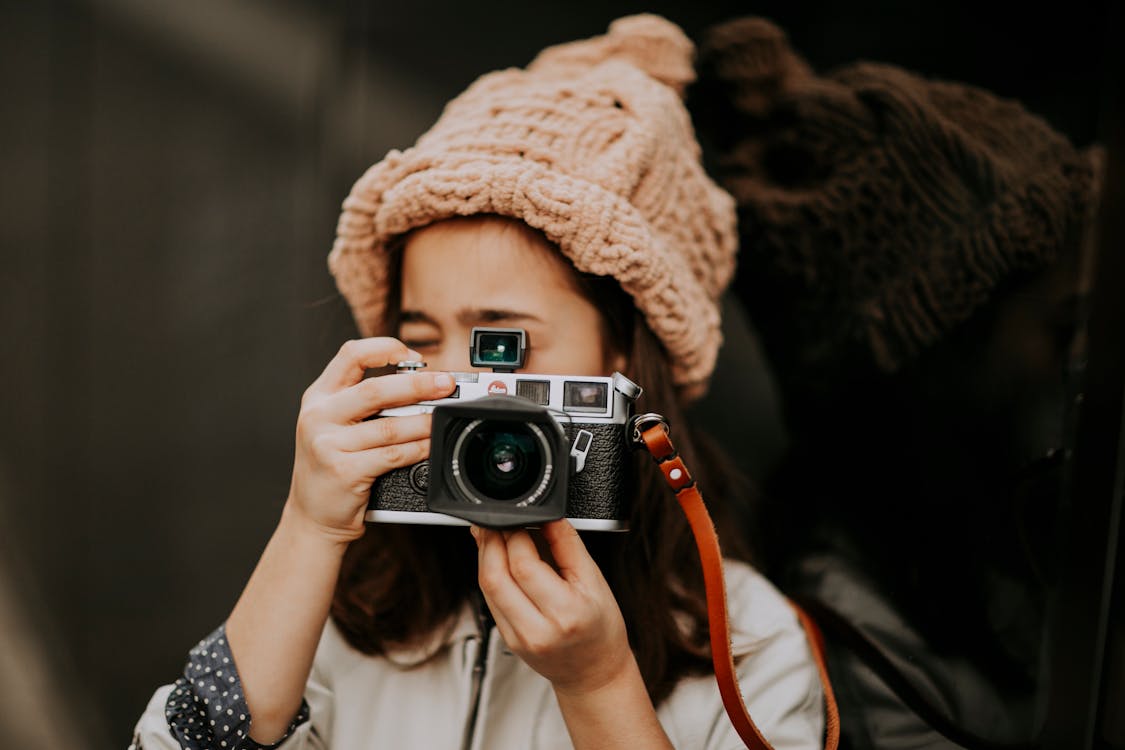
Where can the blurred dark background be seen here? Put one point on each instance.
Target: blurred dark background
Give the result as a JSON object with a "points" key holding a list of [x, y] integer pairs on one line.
{"points": [[171, 177]]}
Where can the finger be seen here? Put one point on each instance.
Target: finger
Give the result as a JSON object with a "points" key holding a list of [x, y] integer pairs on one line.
{"points": [[505, 598], [356, 357], [369, 396], [510, 635], [569, 551], [376, 462], [547, 591], [507, 632], [376, 433]]}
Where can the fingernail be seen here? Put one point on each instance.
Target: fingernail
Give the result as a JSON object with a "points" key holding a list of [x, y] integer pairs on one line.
{"points": [[443, 381], [413, 356]]}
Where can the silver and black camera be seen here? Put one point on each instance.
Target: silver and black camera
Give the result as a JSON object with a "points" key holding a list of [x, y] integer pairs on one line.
{"points": [[515, 449]]}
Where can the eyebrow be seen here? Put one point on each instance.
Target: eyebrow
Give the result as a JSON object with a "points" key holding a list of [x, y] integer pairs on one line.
{"points": [[470, 316]]}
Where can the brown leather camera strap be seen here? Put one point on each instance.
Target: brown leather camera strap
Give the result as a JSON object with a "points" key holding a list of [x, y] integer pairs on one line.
{"points": [[659, 444]]}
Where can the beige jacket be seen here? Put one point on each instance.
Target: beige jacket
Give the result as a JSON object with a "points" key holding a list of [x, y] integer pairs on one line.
{"points": [[423, 698]]}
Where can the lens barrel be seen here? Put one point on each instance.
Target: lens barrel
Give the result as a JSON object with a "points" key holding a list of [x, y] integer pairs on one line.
{"points": [[499, 461]]}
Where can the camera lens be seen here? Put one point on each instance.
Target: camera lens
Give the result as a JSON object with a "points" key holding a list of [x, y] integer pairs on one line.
{"points": [[503, 460]]}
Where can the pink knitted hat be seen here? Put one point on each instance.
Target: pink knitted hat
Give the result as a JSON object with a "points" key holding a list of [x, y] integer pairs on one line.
{"points": [[591, 145]]}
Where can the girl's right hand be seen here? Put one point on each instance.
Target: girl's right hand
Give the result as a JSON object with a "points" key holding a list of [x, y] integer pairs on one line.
{"points": [[338, 454]]}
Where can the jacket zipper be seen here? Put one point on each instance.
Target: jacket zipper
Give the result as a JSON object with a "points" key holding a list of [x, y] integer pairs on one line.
{"points": [[484, 625]]}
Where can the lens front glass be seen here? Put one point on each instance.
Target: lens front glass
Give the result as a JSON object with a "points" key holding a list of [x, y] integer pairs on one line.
{"points": [[503, 460]]}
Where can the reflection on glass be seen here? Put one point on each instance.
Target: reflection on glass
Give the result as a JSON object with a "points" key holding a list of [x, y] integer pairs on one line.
{"points": [[913, 258]]}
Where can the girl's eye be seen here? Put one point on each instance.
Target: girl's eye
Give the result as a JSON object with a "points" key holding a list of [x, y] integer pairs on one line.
{"points": [[419, 337], [420, 345]]}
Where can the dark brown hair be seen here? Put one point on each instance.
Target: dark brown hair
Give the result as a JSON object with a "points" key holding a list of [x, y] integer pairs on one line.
{"points": [[402, 583]]}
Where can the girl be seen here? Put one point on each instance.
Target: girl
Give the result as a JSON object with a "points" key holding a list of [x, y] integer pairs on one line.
{"points": [[566, 199]]}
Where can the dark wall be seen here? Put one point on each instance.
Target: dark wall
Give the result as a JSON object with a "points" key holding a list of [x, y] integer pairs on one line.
{"points": [[171, 178]]}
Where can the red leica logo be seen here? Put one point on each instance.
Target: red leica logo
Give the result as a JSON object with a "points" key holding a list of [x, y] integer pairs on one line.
{"points": [[497, 388]]}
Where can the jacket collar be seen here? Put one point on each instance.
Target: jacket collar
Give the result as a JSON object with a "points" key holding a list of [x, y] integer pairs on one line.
{"points": [[463, 627]]}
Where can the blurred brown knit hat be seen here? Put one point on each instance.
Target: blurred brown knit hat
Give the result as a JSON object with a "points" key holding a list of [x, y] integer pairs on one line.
{"points": [[590, 144], [877, 209]]}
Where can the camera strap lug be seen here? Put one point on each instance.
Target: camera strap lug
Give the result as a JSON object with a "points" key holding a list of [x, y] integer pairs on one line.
{"points": [[642, 422], [652, 431]]}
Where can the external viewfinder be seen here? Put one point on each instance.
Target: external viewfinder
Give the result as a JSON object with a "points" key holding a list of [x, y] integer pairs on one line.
{"points": [[502, 349]]}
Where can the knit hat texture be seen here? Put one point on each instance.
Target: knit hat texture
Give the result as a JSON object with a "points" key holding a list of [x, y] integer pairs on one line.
{"points": [[877, 209], [590, 144]]}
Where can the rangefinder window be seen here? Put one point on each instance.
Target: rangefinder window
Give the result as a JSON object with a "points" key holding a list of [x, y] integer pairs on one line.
{"points": [[500, 348], [585, 397]]}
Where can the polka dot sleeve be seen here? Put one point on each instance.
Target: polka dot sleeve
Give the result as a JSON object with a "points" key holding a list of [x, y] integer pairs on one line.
{"points": [[206, 709]]}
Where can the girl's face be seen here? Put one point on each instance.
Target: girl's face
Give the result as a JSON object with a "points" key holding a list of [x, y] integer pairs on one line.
{"points": [[490, 271]]}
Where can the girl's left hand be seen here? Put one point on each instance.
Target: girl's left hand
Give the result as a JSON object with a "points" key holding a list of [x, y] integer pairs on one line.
{"points": [[566, 625]]}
